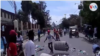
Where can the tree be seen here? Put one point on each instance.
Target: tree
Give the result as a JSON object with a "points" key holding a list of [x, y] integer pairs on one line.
{"points": [[90, 17], [26, 7], [22, 16], [74, 20], [38, 12], [65, 23]]}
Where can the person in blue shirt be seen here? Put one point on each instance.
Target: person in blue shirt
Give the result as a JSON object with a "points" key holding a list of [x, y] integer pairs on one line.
{"points": [[95, 47], [3, 44]]}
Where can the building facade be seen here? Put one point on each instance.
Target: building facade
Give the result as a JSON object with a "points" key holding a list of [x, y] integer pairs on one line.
{"points": [[6, 17], [6, 22]]}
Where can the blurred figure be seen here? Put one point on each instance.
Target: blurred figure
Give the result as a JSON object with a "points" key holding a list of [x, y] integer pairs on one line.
{"points": [[95, 31], [30, 46], [60, 32], [64, 31], [90, 32], [86, 31], [39, 32], [50, 44], [57, 36], [48, 31], [96, 49], [3, 43], [12, 51], [20, 40], [54, 32], [44, 31]]}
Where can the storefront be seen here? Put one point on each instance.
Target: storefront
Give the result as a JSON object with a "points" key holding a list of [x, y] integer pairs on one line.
{"points": [[6, 26]]}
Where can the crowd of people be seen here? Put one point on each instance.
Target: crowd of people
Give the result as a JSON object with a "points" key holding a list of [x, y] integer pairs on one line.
{"points": [[90, 31], [14, 46]]}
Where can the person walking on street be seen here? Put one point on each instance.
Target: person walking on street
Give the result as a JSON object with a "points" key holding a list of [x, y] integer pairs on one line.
{"points": [[44, 31], [29, 46], [32, 38], [20, 40], [57, 36], [50, 43], [54, 32], [39, 32], [3, 43], [60, 32], [12, 50], [64, 31]]}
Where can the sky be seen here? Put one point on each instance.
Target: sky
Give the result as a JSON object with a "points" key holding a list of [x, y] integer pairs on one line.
{"points": [[57, 9]]}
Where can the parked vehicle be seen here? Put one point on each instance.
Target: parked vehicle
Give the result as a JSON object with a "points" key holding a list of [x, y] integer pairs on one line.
{"points": [[73, 32]]}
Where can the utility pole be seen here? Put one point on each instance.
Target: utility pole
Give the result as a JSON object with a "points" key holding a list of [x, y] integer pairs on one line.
{"points": [[65, 15], [15, 8]]}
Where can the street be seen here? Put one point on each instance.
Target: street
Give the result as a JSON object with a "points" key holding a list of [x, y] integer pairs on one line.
{"points": [[78, 43]]}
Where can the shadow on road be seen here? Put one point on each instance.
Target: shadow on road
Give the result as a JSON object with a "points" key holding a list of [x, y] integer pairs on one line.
{"points": [[86, 40]]}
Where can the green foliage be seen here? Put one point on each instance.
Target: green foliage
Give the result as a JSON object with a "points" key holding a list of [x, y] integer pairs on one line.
{"points": [[26, 6], [39, 13], [37, 10], [64, 23], [22, 16], [90, 17], [71, 21]]}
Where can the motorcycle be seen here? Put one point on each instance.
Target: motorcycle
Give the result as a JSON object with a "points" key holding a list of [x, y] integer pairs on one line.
{"points": [[97, 53], [18, 47]]}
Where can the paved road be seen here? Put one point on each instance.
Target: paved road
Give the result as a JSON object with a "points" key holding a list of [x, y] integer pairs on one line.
{"points": [[78, 43]]}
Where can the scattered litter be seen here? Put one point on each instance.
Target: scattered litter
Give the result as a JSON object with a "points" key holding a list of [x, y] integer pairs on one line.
{"points": [[79, 52], [39, 48]]}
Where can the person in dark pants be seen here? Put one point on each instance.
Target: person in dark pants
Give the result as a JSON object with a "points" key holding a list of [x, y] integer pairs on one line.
{"points": [[32, 33], [39, 32], [50, 44]]}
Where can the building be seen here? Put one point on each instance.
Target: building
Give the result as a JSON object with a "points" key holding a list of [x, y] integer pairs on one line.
{"points": [[6, 17], [6, 22]]}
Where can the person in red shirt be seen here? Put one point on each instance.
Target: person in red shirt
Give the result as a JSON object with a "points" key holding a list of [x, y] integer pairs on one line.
{"points": [[57, 36], [12, 44]]}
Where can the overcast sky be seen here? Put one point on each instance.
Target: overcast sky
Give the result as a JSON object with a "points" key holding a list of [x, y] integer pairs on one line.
{"points": [[57, 8]]}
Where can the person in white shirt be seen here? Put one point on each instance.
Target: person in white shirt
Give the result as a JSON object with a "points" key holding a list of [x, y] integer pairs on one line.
{"points": [[20, 40], [50, 44], [30, 46]]}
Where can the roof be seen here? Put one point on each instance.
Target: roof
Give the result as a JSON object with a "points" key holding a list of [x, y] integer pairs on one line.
{"points": [[2, 10]]}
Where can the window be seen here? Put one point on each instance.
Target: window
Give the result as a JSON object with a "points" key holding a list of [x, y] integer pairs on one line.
{"points": [[0, 14], [11, 17], [4, 15], [8, 16]]}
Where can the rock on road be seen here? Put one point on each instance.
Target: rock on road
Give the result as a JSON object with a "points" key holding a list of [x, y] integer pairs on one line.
{"points": [[78, 43]]}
